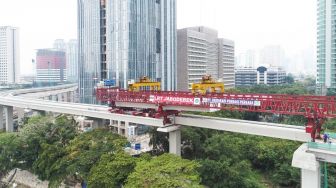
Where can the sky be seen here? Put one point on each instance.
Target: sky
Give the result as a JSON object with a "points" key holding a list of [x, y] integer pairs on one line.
{"points": [[251, 24]]}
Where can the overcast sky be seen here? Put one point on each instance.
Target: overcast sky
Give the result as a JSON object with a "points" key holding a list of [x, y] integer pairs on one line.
{"points": [[251, 24]]}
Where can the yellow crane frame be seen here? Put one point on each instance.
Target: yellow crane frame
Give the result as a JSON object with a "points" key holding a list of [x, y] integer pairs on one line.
{"points": [[145, 82], [206, 84]]}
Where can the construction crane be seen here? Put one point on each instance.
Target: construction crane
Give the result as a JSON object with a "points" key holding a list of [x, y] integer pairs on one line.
{"points": [[316, 109], [143, 84], [206, 84]]}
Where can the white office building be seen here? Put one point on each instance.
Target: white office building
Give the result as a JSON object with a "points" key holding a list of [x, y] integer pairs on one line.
{"points": [[201, 52], [9, 55]]}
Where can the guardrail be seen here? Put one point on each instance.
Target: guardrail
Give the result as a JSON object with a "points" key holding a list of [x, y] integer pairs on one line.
{"points": [[322, 146]]}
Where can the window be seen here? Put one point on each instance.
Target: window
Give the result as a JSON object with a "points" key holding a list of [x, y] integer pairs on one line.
{"points": [[158, 40]]}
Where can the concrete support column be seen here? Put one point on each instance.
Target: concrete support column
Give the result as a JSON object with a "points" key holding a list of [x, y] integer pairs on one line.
{"points": [[310, 167], [9, 119], [60, 97], [174, 138], [126, 129], [310, 178], [72, 96], [65, 97], [2, 127], [175, 142], [119, 127]]}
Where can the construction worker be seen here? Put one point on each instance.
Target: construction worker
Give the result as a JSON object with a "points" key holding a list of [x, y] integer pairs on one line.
{"points": [[325, 137]]}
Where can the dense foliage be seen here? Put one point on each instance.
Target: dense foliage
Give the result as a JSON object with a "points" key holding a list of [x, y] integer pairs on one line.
{"points": [[53, 150], [166, 170]]}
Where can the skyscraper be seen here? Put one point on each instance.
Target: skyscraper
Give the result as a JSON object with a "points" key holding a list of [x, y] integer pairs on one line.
{"points": [[71, 50], [72, 60], [272, 55], [326, 46], [124, 40], [201, 52], [9, 55]]}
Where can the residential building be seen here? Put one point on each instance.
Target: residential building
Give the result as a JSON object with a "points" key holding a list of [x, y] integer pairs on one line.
{"points": [[124, 40], [326, 47], [71, 50], [201, 52], [50, 66], [9, 55], [247, 76]]}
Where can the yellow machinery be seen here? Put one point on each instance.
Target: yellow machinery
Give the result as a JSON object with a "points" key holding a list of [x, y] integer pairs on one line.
{"points": [[144, 84], [207, 83]]}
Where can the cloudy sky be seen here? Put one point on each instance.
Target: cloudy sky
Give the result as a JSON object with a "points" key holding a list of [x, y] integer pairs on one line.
{"points": [[251, 24]]}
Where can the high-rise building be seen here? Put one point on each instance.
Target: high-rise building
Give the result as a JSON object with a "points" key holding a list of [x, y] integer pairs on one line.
{"points": [[246, 59], [71, 50], [226, 62], [201, 52], [72, 60], [9, 55], [59, 44], [50, 66], [250, 58], [124, 40], [272, 55], [326, 46]]}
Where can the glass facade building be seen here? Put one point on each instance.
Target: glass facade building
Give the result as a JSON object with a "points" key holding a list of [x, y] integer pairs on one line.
{"points": [[326, 46], [124, 40]]}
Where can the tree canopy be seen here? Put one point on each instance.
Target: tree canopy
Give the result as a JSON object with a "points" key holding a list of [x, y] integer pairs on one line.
{"points": [[166, 170]]}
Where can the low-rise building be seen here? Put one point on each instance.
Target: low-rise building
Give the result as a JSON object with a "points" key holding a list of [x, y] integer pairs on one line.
{"points": [[247, 76]]}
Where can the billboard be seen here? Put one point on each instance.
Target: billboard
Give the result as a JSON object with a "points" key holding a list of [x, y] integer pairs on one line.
{"points": [[180, 100]]}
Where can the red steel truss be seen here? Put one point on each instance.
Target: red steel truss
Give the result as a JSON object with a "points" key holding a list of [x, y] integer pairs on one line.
{"points": [[314, 108]]}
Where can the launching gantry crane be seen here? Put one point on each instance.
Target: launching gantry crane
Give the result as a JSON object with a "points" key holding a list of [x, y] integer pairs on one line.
{"points": [[206, 84], [143, 84]]}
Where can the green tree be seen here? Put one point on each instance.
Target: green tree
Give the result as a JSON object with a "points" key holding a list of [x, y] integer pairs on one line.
{"points": [[289, 79], [166, 170], [112, 170], [10, 152], [222, 173], [44, 139], [192, 139], [83, 152]]}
